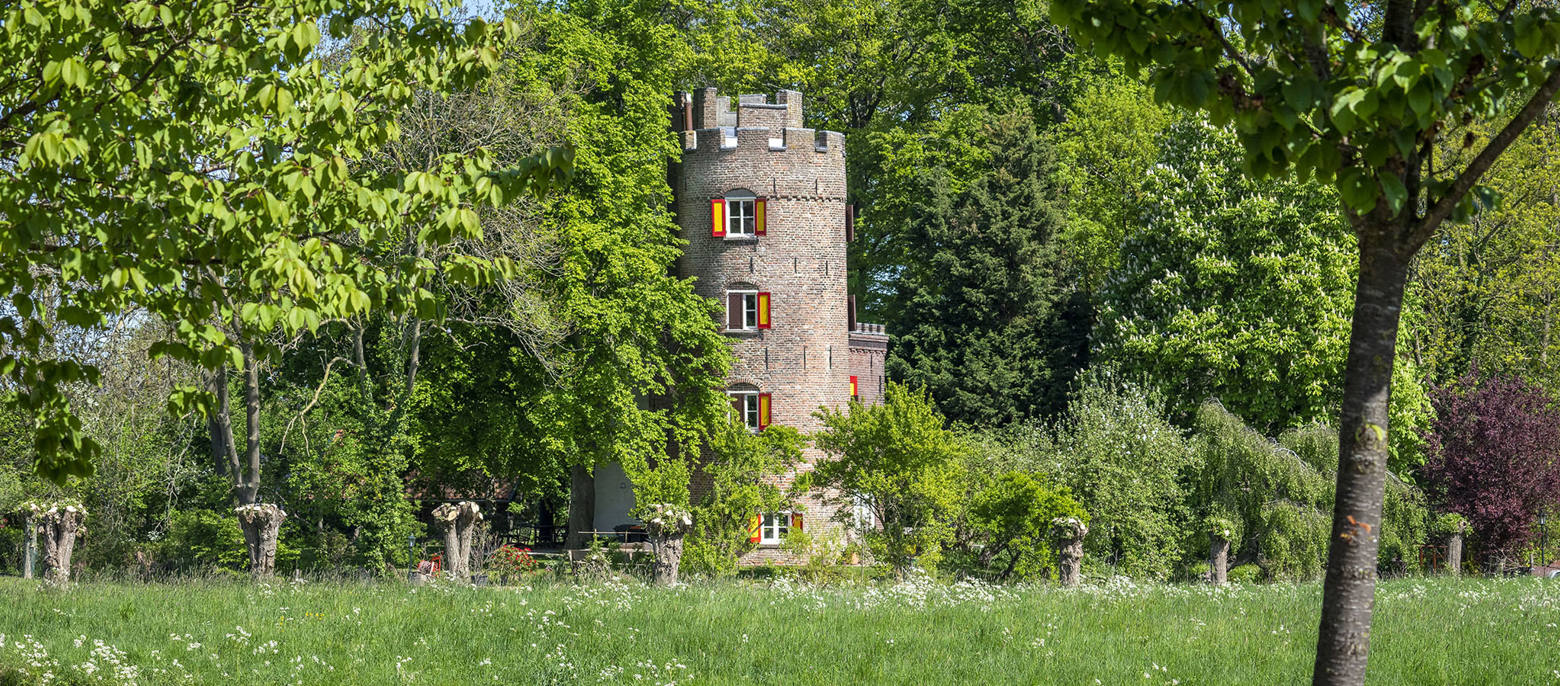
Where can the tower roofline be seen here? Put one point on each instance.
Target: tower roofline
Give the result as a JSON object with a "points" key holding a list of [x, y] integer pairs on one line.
{"points": [[708, 109]]}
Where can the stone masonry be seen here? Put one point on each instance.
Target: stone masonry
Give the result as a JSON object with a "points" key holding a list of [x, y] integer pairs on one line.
{"points": [[812, 347]]}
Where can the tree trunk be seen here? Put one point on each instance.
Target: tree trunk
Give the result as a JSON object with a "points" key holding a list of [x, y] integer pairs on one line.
{"points": [[1218, 560], [1067, 535], [458, 522], [667, 545], [466, 527], [1348, 594], [221, 423], [29, 545], [1454, 550], [1070, 562], [451, 549], [582, 507], [59, 540], [261, 525], [248, 486]]}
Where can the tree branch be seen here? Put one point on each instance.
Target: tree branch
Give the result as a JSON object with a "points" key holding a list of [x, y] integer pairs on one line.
{"points": [[1470, 175]]}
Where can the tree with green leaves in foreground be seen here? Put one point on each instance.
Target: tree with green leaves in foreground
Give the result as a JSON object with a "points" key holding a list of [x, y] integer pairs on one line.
{"points": [[1373, 97], [208, 162], [899, 461]]}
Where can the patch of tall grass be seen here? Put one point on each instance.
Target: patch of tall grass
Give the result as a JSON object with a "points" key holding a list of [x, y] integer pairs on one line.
{"points": [[206, 631]]}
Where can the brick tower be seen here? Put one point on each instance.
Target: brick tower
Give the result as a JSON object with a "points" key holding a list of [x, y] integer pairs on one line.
{"points": [[762, 203]]}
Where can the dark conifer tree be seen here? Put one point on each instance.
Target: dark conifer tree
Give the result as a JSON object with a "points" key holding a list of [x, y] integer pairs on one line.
{"points": [[986, 319]]}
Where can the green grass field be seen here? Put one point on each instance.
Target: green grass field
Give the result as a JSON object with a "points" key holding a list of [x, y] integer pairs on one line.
{"points": [[1428, 631]]}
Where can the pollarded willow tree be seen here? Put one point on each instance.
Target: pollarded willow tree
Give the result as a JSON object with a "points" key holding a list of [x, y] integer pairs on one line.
{"points": [[206, 164], [1374, 97]]}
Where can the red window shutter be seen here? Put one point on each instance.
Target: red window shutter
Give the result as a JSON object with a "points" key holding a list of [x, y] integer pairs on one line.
{"points": [[850, 223], [763, 410], [733, 310], [854, 394], [763, 309], [754, 523], [718, 217], [796, 521], [760, 216]]}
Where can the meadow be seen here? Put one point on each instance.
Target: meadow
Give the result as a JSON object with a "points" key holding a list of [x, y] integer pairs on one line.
{"points": [[1428, 631]]}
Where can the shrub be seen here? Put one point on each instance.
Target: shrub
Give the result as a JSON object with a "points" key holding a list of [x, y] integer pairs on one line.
{"points": [[1245, 574], [900, 461], [736, 470], [1009, 518], [206, 539], [1123, 460]]}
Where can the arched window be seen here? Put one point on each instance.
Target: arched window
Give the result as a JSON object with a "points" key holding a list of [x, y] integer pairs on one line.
{"points": [[750, 406], [747, 308]]}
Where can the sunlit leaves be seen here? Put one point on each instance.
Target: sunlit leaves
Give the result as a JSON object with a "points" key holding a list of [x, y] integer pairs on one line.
{"points": [[1309, 91], [205, 162]]}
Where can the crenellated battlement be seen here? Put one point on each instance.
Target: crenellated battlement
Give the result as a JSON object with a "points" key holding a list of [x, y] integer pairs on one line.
{"points": [[707, 121], [792, 140]]}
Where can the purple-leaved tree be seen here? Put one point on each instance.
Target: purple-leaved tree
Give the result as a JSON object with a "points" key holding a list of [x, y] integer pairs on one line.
{"points": [[1494, 457]]}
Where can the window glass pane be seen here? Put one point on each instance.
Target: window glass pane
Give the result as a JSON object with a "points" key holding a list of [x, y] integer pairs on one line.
{"points": [[750, 311], [750, 409], [739, 217]]}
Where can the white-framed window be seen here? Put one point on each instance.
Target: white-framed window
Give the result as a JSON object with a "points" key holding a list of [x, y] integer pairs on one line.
{"points": [[747, 310], [744, 310], [741, 214], [748, 408], [775, 526]]}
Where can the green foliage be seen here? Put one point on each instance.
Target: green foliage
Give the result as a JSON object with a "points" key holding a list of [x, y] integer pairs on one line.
{"points": [[199, 540], [739, 460], [1484, 294], [900, 461], [1245, 574], [981, 314], [1450, 523], [1011, 516], [639, 332], [1278, 496], [1277, 501], [1232, 287], [1122, 460], [213, 159], [1106, 148], [1384, 94]]}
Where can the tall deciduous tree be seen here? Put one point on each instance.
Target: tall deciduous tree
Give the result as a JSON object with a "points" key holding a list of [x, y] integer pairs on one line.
{"points": [[200, 160], [1362, 95], [1494, 457], [1232, 287]]}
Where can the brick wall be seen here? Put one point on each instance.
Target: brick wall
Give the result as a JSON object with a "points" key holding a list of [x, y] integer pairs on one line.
{"points": [[805, 359]]}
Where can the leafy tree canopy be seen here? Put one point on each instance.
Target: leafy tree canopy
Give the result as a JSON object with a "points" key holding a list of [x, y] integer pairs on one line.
{"points": [[1232, 287], [204, 162]]}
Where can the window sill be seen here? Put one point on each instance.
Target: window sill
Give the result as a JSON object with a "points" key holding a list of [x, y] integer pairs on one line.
{"points": [[742, 332], [742, 238]]}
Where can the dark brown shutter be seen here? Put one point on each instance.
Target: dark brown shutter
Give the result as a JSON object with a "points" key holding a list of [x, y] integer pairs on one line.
{"points": [[850, 223], [850, 314], [733, 310]]}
